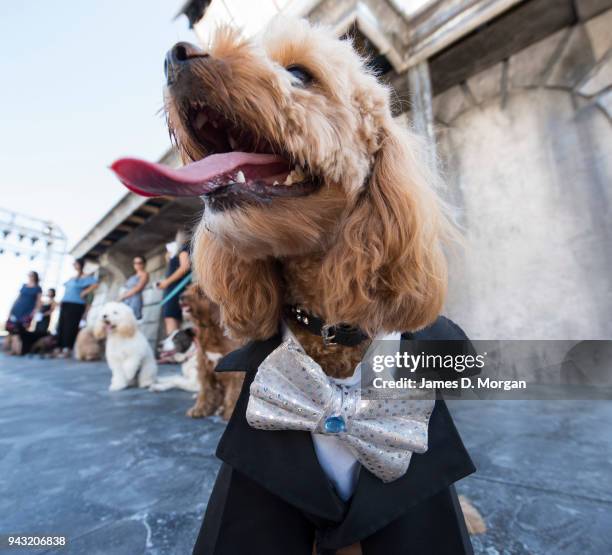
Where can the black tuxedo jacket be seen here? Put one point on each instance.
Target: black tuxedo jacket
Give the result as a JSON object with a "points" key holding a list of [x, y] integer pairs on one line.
{"points": [[272, 497]]}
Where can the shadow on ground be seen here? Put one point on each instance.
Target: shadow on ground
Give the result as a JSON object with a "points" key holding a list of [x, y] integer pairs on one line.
{"points": [[127, 473]]}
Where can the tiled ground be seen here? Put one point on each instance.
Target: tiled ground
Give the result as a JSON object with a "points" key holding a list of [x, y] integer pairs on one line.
{"points": [[128, 473], [544, 480]]}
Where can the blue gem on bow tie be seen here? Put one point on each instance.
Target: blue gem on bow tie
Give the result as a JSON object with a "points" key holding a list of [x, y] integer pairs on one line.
{"points": [[334, 425]]}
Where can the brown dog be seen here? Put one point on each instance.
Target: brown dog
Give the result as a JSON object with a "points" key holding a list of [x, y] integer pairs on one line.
{"points": [[218, 392], [316, 199]]}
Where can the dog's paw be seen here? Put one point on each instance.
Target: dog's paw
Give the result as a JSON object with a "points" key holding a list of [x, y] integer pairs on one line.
{"points": [[116, 386], [474, 522], [197, 411], [194, 412]]}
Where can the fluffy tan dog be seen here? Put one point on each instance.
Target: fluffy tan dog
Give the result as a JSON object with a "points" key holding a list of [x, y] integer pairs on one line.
{"points": [[315, 197], [353, 235], [87, 347], [128, 354], [218, 392]]}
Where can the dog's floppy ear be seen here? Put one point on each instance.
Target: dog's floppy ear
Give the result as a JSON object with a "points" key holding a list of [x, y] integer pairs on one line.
{"points": [[127, 326], [387, 271], [248, 291], [214, 313], [99, 329]]}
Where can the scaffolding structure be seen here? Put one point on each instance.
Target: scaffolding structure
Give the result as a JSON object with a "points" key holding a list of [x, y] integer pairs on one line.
{"points": [[36, 239]]}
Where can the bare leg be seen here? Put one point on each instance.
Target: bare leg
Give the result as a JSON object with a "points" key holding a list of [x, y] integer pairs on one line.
{"points": [[171, 324]]}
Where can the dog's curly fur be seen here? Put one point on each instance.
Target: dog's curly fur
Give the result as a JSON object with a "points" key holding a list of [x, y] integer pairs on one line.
{"points": [[366, 247], [218, 391], [87, 347], [363, 249], [128, 354]]}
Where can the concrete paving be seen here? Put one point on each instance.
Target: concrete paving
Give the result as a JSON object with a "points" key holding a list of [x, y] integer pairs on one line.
{"points": [[127, 473]]}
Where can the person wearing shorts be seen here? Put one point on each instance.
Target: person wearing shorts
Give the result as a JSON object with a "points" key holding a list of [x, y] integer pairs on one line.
{"points": [[178, 267]]}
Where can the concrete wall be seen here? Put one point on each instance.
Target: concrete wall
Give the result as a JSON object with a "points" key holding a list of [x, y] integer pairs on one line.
{"points": [[526, 146], [151, 312]]}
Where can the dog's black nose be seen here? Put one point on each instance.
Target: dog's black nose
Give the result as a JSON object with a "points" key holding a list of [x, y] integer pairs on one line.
{"points": [[178, 56], [183, 51]]}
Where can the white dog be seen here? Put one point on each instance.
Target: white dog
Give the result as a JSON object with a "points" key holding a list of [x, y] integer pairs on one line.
{"points": [[128, 353], [187, 379]]}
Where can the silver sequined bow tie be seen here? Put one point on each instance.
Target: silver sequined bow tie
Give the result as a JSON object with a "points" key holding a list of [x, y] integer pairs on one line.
{"points": [[291, 392]]}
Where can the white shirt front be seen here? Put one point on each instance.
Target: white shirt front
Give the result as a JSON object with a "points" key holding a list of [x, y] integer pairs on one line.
{"points": [[336, 459]]}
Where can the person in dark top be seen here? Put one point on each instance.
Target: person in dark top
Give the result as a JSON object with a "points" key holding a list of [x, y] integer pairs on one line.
{"points": [[43, 315], [42, 319], [73, 307], [178, 267], [22, 312], [25, 305]]}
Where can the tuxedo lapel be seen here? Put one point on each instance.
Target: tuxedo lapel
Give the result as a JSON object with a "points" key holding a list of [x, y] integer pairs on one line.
{"points": [[283, 462]]}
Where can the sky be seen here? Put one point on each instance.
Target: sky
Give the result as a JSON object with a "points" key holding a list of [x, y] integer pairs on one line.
{"points": [[81, 86]]}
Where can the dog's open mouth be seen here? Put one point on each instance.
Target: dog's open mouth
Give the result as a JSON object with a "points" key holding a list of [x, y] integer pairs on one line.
{"points": [[237, 169]]}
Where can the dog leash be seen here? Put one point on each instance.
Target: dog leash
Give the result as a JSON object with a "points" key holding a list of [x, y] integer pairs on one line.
{"points": [[176, 290]]}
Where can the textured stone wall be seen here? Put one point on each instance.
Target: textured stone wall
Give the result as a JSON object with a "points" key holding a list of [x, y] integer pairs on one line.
{"points": [[151, 312], [526, 147]]}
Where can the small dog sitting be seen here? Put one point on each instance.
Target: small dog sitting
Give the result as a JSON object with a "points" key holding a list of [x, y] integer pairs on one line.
{"points": [[184, 351], [87, 347], [128, 353], [218, 392]]}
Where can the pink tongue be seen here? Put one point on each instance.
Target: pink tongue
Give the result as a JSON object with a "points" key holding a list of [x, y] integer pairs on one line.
{"points": [[198, 178]]}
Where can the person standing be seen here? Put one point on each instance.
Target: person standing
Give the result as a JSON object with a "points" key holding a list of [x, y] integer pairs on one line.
{"points": [[22, 312], [72, 307], [134, 286], [178, 267], [26, 304]]}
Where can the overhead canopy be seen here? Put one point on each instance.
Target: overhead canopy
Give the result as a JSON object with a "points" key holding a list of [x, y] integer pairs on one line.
{"points": [[252, 16], [154, 219], [194, 10]]}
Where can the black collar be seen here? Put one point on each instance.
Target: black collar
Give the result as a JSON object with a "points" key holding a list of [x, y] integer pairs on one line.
{"points": [[337, 334]]}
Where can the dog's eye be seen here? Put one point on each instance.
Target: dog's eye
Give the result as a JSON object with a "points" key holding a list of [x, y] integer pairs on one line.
{"points": [[301, 75]]}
